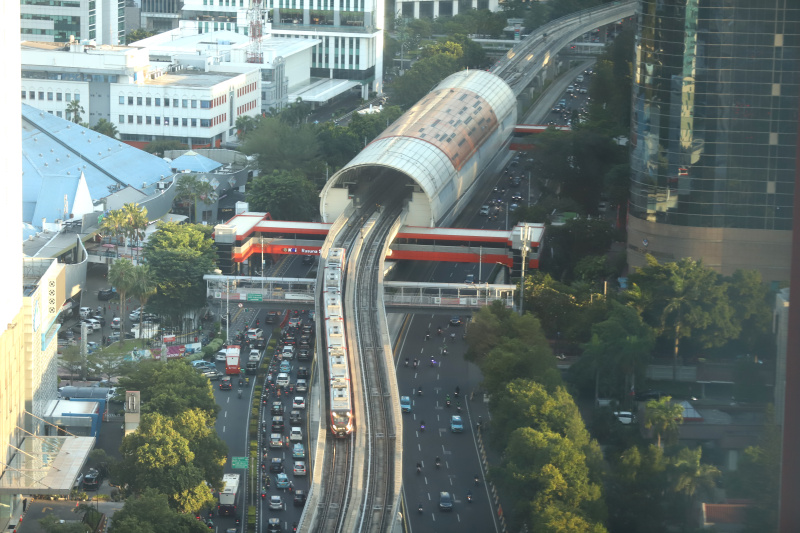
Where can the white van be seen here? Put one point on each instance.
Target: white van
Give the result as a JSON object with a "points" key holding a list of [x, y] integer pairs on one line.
{"points": [[86, 312]]}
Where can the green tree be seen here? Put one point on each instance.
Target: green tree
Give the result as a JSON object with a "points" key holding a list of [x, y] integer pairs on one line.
{"points": [[692, 477], [149, 512], [568, 244], [296, 113], [106, 128], [170, 389], [192, 189], [52, 524], [245, 124], [752, 311], [159, 147], [113, 224], [280, 146], [285, 195], [663, 416], [134, 222], [121, 276], [338, 144], [688, 299], [72, 360], [636, 489], [157, 456], [210, 451], [144, 284], [109, 361], [178, 256], [422, 77], [74, 110], [137, 35]]}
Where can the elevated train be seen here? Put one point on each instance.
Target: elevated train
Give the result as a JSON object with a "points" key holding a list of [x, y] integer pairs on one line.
{"points": [[340, 392]]}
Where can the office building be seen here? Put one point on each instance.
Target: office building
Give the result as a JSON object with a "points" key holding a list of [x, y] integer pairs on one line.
{"points": [[714, 133], [188, 99], [160, 15], [440, 8], [101, 21], [349, 35]]}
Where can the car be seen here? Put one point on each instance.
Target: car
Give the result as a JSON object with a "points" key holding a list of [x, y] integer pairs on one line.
{"points": [[277, 408], [295, 417], [298, 451], [255, 355], [275, 440], [220, 355], [304, 354], [226, 383], [282, 380], [255, 333], [275, 503], [302, 385], [276, 464], [273, 525], [116, 323], [470, 279], [445, 501], [308, 259], [100, 318], [287, 352], [298, 403], [300, 498], [296, 434], [302, 372], [272, 317], [650, 395], [295, 322], [456, 425], [562, 103], [515, 181], [277, 424], [308, 329], [134, 316], [625, 417], [282, 481], [484, 210], [66, 334], [583, 90], [203, 363], [299, 468], [517, 197], [213, 375], [107, 294], [285, 367], [455, 320], [405, 404], [96, 325], [92, 479], [84, 312], [579, 79], [512, 208]]}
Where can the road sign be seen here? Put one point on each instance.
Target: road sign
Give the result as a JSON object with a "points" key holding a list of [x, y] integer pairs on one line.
{"points": [[239, 462], [254, 298]]}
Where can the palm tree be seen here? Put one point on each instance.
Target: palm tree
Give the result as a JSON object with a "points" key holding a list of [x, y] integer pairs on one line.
{"points": [[121, 276], [113, 224], [664, 416], [205, 193], [135, 222], [191, 189], [692, 475], [74, 108], [106, 128], [143, 284]]}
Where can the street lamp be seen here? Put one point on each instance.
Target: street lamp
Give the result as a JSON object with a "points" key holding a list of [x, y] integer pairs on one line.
{"points": [[227, 308]]}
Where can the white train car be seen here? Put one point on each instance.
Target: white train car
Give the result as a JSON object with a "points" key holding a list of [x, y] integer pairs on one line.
{"points": [[338, 369]]}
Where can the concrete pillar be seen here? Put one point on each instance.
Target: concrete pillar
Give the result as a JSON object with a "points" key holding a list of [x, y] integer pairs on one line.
{"points": [[436, 9], [416, 9], [455, 7]]}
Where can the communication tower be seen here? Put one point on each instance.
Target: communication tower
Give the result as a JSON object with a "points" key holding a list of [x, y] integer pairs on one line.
{"points": [[255, 18]]}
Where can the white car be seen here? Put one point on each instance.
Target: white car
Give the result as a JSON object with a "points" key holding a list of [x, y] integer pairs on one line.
{"points": [[275, 503], [135, 314], [220, 356], [282, 380], [298, 403], [484, 210], [625, 417], [299, 468], [85, 312], [255, 333], [116, 323], [296, 434], [96, 326]]}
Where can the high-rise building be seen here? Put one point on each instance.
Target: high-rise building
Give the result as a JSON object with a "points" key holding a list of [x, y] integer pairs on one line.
{"points": [[714, 133], [102, 21]]}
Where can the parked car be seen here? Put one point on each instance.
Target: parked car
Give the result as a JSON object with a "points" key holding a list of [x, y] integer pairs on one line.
{"points": [[107, 294], [116, 323], [92, 479]]}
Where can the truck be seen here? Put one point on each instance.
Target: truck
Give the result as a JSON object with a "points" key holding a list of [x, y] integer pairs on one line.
{"points": [[228, 495], [232, 360]]}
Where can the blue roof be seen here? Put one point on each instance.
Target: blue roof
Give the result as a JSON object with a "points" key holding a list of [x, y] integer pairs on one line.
{"points": [[62, 160], [194, 162]]}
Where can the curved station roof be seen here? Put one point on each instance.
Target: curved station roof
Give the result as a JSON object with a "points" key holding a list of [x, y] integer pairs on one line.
{"points": [[436, 144]]}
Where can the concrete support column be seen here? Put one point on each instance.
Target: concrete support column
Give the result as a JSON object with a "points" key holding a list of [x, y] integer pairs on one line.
{"points": [[455, 7], [416, 10], [435, 8]]}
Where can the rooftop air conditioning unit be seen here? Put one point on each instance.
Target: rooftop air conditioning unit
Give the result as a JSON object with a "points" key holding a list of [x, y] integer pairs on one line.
{"points": [[161, 185]]}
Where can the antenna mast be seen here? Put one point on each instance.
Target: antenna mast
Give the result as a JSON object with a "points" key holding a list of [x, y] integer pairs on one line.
{"points": [[255, 18]]}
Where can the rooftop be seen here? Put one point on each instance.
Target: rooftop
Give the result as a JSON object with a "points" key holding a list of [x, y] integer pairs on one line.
{"points": [[193, 78]]}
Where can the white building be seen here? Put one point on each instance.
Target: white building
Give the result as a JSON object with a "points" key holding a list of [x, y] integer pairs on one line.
{"points": [[102, 21], [285, 67], [188, 99], [349, 52], [440, 8]]}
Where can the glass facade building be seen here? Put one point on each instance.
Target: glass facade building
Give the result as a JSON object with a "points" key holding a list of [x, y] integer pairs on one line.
{"points": [[715, 114]]}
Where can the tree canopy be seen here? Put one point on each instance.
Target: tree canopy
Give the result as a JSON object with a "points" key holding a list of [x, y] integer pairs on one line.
{"points": [[282, 146], [178, 256], [285, 195], [149, 512]]}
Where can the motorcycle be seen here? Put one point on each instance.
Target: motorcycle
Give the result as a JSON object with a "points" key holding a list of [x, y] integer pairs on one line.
{"points": [[469, 497], [433, 362], [457, 391], [419, 391], [406, 362], [447, 403], [422, 427], [419, 508], [439, 332], [438, 463]]}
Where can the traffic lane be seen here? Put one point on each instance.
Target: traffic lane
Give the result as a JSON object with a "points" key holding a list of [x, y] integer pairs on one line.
{"points": [[458, 452], [231, 427]]}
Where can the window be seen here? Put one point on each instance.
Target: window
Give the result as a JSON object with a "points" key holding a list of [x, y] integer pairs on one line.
{"points": [[147, 101], [50, 96], [194, 104], [138, 119], [194, 122], [23, 95], [58, 97], [205, 123], [174, 102], [130, 119], [121, 119], [184, 122], [58, 114], [68, 97], [138, 100], [121, 100], [77, 97], [175, 121], [130, 100], [185, 102], [205, 104], [158, 121], [32, 95], [41, 95], [166, 102], [147, 119], [158, 102]]}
